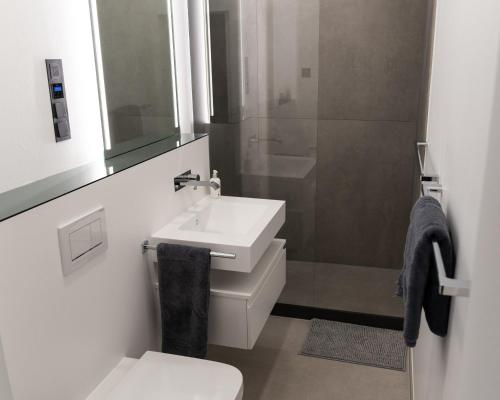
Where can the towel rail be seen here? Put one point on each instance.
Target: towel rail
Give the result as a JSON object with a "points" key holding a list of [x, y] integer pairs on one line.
{"points": [[146, 246], [447, 286]]}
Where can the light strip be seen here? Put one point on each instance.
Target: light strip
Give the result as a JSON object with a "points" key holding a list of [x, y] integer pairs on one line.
{"points": [[100, 74], [173, 62], [208, 44], [242, 64]]}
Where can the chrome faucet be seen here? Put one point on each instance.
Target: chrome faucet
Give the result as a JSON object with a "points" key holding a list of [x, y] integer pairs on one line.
{"points": [[189, 179], [195, 184]]}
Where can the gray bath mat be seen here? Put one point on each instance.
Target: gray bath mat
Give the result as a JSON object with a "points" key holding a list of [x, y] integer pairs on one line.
{"points": [[383, 348]]}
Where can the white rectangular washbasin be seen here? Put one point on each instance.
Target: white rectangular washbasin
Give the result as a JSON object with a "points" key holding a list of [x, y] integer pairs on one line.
{"points": [[235, 225]]}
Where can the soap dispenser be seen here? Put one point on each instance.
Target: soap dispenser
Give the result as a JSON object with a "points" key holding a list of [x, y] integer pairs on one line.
{"points": [[215, 192]]}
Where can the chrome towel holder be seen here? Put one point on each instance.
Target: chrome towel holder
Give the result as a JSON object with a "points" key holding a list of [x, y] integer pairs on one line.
{"points": [[430, 186], [146, 246]]}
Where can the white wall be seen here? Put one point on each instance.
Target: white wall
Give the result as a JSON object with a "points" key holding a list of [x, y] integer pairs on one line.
{"points": [[61, 336], [5, 393], [462, 128], [479, 378], [31, 32]]}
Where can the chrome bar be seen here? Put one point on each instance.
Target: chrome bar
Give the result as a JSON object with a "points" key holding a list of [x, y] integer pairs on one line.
{"points": [[146, 246], [411, 374], [448, 286]]}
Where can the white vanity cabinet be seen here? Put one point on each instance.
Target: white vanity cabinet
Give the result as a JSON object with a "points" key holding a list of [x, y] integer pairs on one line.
{"points": [[240, 303], [248, 265]]}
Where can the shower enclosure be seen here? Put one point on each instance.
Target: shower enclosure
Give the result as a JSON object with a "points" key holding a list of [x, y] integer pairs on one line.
{"points": [[320, 103]]}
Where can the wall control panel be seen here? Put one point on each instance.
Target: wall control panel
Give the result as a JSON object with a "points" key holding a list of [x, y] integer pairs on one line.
{"points": [[57, 92]]}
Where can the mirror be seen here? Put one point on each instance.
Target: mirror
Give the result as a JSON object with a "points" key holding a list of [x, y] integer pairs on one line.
{"points": [[135, 60], [119, 85]]}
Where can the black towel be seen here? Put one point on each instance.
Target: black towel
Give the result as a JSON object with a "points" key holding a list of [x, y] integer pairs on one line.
{"points": [[418, 282], [184, 284]]}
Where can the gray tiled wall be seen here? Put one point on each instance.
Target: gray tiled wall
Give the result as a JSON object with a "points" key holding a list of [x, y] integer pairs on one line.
{"points": [[371, 62], [364, 191], [333, 102], [370, 59]]}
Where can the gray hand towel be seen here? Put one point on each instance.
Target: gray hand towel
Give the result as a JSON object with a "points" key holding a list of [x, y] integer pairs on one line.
{"points": [[418, 282], [184, 284]]}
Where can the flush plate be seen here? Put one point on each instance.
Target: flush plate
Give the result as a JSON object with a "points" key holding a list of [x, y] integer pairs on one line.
{"points": [[82, 240]]}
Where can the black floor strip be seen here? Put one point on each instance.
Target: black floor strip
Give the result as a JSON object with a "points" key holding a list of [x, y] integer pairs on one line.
{"points": [[305, 312]]}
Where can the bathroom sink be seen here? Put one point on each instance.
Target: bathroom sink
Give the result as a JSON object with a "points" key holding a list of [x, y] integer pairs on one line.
{"points": [[241, 226]]}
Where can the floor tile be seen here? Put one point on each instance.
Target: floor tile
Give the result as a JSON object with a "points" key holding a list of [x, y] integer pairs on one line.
{"points": [[274, 370]]}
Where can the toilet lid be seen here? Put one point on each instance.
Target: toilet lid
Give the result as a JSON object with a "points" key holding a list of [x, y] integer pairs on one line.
{"points": [[158, 376]]}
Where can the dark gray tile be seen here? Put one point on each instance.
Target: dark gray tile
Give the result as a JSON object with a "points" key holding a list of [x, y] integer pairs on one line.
{"points": [[364, 195], [249, 145], [219, 33], [299, 194], [273, 167], [299, 288], [371, 59], [250, 51], [289, 136], [288, 32], [367, 290], [224, 142], [299, 232]]}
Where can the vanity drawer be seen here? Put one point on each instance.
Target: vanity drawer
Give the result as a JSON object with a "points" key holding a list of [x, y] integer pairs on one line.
{"points": [[260, 308], [240, 303]]}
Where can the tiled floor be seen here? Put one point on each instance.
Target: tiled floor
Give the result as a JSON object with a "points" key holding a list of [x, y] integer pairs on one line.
{"points": [[342, 287], [273, 370]]}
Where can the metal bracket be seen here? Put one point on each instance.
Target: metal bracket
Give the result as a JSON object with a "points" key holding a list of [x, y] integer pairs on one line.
{"points": [[423, 176]]}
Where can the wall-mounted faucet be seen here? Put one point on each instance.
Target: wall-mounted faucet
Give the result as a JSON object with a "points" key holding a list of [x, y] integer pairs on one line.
{"points": [[189, 179]]}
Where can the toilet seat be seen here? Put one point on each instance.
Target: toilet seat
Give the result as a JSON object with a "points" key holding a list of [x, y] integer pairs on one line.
{"points": [[158, 376]]}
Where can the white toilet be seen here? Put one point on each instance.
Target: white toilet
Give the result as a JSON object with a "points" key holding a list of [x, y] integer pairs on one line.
{"points": [[158, 376]]}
